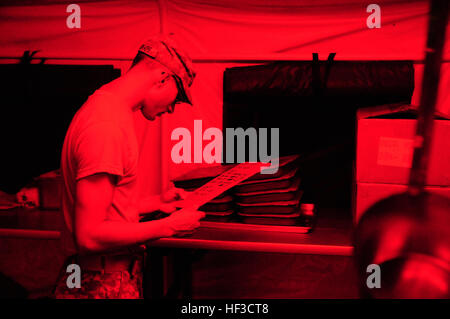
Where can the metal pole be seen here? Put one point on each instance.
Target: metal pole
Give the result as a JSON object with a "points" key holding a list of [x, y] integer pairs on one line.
{"points": [[430, 83]]}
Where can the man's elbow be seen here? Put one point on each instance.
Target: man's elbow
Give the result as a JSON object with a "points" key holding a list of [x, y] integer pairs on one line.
{"points": [[87, 243]]}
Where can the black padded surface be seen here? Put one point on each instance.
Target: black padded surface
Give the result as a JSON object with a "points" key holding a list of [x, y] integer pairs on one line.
{"points": [[314, 106]]}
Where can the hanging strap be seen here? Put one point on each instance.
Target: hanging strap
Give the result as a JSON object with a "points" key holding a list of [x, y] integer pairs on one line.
{"points": [[319, 85], [328, 69], [28, 56], [315, 75]]}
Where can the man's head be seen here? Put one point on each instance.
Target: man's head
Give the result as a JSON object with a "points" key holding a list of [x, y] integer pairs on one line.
{"points": [[172, 71]]}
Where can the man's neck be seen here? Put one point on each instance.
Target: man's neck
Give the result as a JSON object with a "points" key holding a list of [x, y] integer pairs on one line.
{"points": [[132, 87]]}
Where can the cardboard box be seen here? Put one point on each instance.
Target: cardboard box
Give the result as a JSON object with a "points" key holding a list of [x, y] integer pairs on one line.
{"points": [[384, 153], [385, 146], [50, 190], [368, 194]]}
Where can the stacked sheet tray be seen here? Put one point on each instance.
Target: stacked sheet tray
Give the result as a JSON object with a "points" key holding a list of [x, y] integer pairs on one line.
{"points": [[271, 199], [263, 198], [221, 207]]}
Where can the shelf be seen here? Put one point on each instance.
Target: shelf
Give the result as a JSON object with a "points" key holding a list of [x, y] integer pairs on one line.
{"points": [[332, 235], [30, 223]]}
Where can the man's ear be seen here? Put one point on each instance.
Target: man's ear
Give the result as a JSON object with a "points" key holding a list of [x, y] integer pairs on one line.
{"points": [[158, 84], [162, 79]]}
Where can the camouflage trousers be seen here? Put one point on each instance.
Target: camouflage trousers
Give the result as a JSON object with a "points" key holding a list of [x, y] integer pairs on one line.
{"points": [[103, 285]]}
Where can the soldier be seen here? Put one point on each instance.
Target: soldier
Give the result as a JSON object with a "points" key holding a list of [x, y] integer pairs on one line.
{"points": [[99, 165]]}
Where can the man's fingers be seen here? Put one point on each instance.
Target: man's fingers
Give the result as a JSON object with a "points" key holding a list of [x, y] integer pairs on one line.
{"points": [[201, 214], [196, 214], [167, 208], [182, 193], [185, 221], [174, 194], [184, 234]]}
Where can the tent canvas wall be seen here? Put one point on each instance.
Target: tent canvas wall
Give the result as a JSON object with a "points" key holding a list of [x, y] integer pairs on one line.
{"points": [[218, 34]]}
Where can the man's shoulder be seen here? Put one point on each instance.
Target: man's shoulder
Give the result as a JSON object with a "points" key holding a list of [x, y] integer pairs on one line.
{"points": [[101, 104], [102, 109]]}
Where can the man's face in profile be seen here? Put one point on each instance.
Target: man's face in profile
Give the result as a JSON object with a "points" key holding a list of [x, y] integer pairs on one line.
{"points": [[160, 98]]}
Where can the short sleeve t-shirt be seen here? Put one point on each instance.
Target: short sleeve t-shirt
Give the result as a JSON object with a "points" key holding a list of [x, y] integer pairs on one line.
{"points": [[101, 139]]}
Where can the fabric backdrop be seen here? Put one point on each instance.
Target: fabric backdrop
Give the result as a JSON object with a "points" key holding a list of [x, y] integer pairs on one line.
{"points": [[218, 34]]}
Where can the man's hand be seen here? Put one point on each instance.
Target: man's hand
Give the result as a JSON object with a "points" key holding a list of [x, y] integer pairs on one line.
{"points": [[170, 200], [184, 221], [94, 232], [166, 202], [173, 194]]}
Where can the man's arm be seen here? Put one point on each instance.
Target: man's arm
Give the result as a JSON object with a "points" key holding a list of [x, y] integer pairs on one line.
{"points": [[93, 232], [166, 202]]}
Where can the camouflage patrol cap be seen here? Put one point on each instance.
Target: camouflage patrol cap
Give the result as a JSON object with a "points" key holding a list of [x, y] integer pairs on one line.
{"points": [[164, 50]]}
